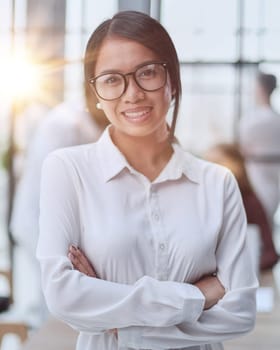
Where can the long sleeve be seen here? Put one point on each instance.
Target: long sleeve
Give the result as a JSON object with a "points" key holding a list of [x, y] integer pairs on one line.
{"points": [[24, 221], [235, 313], [51, 135], [89, 304]]}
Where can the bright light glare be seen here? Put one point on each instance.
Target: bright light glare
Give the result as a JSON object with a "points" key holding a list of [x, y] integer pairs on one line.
{"points": [[19, 77]]}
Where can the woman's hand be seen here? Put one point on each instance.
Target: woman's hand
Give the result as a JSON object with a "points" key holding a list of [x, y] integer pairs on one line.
{"points": [[80, 261], [212, 289], [114, 331]]}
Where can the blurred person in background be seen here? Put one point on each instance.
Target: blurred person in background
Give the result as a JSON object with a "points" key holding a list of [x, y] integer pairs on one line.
{"points": [[260, 144], [69, 123], [229, 155]]}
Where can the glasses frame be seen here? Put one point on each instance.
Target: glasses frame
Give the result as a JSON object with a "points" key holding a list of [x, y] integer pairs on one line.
{"points": [[124, 76]]}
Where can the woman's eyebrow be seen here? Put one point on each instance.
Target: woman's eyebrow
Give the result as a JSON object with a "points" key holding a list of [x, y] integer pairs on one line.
{"points": [[108, 71]]}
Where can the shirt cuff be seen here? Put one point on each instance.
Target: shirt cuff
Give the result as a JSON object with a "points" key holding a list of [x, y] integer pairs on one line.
{"points": [[129, 337], [193, 304], [132, 337]]}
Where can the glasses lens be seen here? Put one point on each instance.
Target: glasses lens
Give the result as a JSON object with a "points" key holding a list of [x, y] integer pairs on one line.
{"points": [[151, 77], [110, 86]]}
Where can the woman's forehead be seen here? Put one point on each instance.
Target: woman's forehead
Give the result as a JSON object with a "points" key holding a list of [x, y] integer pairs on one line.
{"points": [[122, 54]]}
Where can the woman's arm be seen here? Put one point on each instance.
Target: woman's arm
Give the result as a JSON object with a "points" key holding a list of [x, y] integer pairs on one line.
{"points": [[210, 286]]}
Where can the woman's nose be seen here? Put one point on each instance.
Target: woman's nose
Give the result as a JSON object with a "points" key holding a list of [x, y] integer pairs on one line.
{"points": [[133, 92]]}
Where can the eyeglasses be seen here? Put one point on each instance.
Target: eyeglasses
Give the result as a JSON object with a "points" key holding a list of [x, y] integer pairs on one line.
{"points": [[112, 85]]}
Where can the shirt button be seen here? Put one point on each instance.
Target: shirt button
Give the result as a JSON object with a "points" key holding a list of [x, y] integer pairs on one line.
{"points": [[156, 216], [162, 246]]}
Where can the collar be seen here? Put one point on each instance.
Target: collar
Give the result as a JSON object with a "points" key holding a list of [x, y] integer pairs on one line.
{"points": [[110, 158], [181, 163], [113, 162]]}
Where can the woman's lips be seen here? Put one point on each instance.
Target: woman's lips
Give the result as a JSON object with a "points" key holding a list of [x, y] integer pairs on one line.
{"points": [[137, 114]]}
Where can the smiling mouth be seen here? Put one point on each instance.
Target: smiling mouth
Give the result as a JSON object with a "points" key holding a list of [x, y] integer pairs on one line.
{"points": [[137, 114]]}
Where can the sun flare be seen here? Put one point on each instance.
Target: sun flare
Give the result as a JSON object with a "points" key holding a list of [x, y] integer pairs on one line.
{"points": [[20, 78]]}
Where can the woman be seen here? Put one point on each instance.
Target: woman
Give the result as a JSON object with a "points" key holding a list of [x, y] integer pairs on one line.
{"points": [[230, 156], [164, 231]]}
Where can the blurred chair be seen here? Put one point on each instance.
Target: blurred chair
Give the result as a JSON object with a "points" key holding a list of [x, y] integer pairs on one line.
{"points": [[10, 322]]}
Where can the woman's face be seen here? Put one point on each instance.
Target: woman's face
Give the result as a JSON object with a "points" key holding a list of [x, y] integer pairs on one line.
{"points": [[136, 112]]}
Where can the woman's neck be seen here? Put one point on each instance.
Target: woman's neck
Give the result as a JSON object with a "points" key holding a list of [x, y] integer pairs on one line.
{"points": [[147, 155]]}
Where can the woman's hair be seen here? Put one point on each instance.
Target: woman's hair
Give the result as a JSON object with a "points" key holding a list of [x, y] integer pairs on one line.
{"points": [[97, 115], [267, 82], [146, 31]]}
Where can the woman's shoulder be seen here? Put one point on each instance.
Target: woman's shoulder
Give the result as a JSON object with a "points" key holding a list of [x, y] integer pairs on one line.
{"points": [[214, 180], [204, 169], [74, 156]]}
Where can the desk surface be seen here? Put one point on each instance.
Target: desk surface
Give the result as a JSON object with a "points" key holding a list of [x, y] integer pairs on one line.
{"points": [[54, 335]]}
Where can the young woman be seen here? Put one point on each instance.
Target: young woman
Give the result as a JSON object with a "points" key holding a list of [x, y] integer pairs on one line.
{"points": [[163, 231]]}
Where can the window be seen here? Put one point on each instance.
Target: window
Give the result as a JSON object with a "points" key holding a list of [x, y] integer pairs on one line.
{"points": [[82, 17], [197, 33], [212, 38]]}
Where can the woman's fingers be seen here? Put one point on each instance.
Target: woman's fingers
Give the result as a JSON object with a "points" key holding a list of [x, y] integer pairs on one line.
{"points": [[77, 264], [80, 261], [114, 331], [81, 257]]}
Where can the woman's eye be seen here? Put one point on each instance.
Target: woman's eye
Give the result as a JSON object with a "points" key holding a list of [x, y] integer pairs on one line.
{"points": [[147, 73], [111, 80]]}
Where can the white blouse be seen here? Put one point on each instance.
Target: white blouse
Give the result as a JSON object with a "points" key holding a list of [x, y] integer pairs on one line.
{"points": [[148, 242]]}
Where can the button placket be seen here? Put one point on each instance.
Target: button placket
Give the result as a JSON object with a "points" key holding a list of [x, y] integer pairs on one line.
{"points": [[162, 261], [159, 237], [155, 216]]}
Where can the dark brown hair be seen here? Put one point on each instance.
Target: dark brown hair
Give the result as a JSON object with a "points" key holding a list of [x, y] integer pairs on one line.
{"points": [[231, 152], [267, 82], [145, 30]]}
